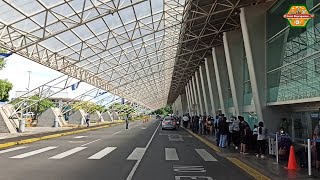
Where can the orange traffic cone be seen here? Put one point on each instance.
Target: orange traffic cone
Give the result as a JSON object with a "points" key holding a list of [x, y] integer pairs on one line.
{"points": [[292, 163]]}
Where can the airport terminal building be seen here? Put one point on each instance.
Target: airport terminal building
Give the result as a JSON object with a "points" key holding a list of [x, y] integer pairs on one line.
{"points": [[265, 70]]}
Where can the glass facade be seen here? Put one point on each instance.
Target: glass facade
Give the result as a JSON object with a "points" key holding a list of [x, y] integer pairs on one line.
{"points": [[293, 55], [251, 118]]}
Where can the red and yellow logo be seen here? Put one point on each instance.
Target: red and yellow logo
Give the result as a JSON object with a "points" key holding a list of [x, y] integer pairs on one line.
{"points": [[298, 16]]}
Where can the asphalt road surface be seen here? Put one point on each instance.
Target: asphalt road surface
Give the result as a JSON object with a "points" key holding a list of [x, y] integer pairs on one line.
{"points": [[143, 152]]}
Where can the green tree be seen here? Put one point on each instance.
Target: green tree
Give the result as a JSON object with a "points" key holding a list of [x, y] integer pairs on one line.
{"points": [[122, 109], [38, 107], [5, 88], [88, 106], [164, 110], [2, 60]]}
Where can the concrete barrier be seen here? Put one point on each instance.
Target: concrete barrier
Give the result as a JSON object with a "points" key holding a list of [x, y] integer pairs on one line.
{"points": [[78, 117], [115, 116], [8, 125], [96, 116], [47, 118], [107, 116]]}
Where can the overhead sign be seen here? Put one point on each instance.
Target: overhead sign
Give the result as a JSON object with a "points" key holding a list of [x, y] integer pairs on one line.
{"points": [[298, 16]]}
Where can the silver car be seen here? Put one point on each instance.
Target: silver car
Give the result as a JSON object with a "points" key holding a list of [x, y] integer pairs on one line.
{"points": [[168, 123]]}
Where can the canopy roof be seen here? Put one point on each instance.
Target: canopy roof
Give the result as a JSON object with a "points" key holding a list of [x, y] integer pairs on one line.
{"points": [[137, 49]]}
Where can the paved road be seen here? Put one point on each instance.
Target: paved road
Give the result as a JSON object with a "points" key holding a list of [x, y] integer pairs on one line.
{"points": [[143, 152]]}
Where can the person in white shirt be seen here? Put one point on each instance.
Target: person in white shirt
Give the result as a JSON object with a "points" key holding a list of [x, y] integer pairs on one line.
{"points": [[185, 121], [261, 140]]}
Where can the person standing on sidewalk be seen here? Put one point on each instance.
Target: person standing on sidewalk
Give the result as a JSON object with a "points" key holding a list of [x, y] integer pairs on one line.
{"points": [[185, 119], [235, 132], [244, 135], [317, 144], [261, 140], [88, 119], [223, 129], [127, 121]]}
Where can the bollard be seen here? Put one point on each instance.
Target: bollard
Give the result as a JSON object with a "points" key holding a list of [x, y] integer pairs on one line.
{"points": [[22, 125], [56, 124], [277, 149], [309, 158]]}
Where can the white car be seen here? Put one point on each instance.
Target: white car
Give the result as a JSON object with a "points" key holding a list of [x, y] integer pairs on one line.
{"points": [[28, 114]]}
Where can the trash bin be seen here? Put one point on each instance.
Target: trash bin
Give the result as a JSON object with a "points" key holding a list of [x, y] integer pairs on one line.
{"points": [[22, 125]]}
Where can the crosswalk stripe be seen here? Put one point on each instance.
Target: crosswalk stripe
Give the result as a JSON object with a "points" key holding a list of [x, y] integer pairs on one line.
{"points": [[79, 137], [102, 153], [34, 152], [136, 154], [205, 155], [68, 153], [171, 154], [12, 149]]}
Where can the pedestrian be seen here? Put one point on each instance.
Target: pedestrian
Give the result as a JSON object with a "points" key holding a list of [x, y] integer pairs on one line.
{"points": [[127, 121], [88, 119], [255, 136], [261, 140], [284, 143], [185, 119], [317, 144], [216, 127], [223, 129], [200, 125], [244, 134], [235, 132]]}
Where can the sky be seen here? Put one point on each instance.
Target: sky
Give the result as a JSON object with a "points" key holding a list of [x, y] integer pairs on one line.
{"points": [[16, 71]]}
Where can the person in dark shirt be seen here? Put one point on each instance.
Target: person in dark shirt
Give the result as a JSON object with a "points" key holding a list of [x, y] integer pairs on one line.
{"points": [[223, 129]]}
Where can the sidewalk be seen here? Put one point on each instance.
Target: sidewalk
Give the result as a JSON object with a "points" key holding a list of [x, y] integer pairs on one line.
{"points": [[40, 132], [267, 166]]}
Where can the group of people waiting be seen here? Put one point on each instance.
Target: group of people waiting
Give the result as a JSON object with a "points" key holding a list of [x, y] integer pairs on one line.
{"points": [[236, 132]]}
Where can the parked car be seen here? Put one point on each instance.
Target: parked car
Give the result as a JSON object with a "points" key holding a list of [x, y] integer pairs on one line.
{"points": [[28, 114], [169, 123]]}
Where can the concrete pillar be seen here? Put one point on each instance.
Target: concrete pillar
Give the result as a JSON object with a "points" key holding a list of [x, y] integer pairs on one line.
{"points": [[253, 24], [205, 90], [233, 47], [199, 90], [220, 68], [191, 96], [212, 87], [188, 97], [184, 105], [195, 95]]}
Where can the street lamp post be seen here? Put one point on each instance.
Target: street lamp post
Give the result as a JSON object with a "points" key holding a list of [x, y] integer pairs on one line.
{"points": [[29, 81]]}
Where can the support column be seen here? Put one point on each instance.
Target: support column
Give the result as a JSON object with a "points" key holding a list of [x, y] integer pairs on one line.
{"points": [[199, 90], [253, 24], [188, 98], [220, 68], [195, 95], [205, 90], [233, 47], [191, 96], [212, 86]]}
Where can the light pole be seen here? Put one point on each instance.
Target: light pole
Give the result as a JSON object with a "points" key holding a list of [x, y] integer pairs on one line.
{"points": [[29, 81]]}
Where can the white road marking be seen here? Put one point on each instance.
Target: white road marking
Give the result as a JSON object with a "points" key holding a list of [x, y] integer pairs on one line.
{"points": [[79, 137], [91, 142], [171, 154], [102, 153], [12, 149], [175, 138], [34, 152], [205, 155], [137, 154], [143, 128], [189, 169], [117, 133], [138, 162], [68, 153], [193, 177]]}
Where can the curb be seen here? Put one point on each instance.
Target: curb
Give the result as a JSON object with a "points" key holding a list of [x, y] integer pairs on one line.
{"points": [[26, 141], [251, 171]]}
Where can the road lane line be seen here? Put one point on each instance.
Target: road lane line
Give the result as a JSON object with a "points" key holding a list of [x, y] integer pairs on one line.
{"points": [[117, 133], [137, 154], [205, 155], [12, 149], [171, 154], [79, 137], [68, 153], [138, 162], [102, 153], [91, 142], [33, 152]]}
